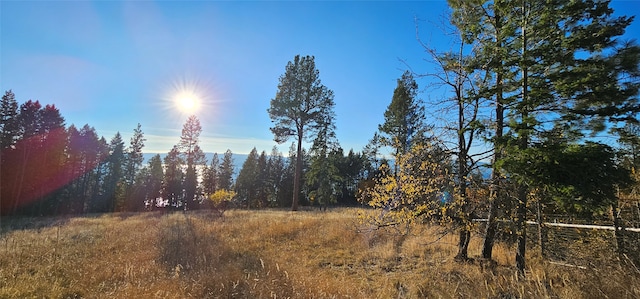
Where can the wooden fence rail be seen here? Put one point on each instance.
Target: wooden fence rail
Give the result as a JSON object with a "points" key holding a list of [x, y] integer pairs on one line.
{"points": [[571, 225], [577, 244]]}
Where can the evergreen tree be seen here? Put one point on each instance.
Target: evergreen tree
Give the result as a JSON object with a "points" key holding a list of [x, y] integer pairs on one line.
{"points": [[372, 150], [353, 170], [323, 176], [32, 157], [153, 178], [276, 183], [210, 176], [29, 119], [173, 176], [88, 156], [114, 178], [262, 188], [29, 123], [630, 144], [225, 173], [404, 118], [133, 163], [8, 120], [630, 152], [98, 175], [246, 186], [8, 134], [193, 155], [74, 165], [50, 158], [301, 105], [285, 193], [553, 76]]}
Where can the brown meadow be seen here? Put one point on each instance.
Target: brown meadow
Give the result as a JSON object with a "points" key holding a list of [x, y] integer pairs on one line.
{"points": [[272, 254]]}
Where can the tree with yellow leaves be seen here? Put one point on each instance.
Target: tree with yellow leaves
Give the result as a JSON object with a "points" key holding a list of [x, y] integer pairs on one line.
{"points": [[423, 188], [221, 199]]}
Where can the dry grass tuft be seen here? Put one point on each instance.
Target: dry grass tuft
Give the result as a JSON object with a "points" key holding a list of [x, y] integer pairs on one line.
{"points": [[273, 254]]}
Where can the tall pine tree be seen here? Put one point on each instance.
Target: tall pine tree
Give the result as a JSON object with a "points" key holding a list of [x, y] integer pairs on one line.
{"points": [[301, 105], [193, 155]]}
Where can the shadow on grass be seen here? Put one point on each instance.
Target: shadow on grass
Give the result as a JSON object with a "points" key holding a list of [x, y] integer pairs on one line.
{"points": [[14, 223], [9, 224]]}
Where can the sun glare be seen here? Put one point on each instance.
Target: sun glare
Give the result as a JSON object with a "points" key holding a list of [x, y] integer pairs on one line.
{"points": [[187, 102], [187, 95]]}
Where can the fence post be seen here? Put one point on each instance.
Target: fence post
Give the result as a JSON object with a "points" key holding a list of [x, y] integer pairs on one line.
{"points": [[542, 230], [618, 229]]}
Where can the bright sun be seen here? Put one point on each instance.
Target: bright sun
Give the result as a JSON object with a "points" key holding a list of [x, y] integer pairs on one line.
{"points": [[186, 96], [187, 102]]}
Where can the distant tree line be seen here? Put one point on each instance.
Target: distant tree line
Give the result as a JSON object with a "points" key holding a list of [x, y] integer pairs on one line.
{"points": [[47, 168]]}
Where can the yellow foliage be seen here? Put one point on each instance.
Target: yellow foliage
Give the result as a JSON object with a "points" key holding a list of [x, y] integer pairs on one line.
{"points": [[418, 189], [222, 195]]}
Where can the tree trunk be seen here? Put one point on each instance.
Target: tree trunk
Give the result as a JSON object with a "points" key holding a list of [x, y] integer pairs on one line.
{"points": [[18, 188], [619, 230], [463, 242], [298, 175], [494, 194], [542, 229], [521, 228], [463, 245], [523, 141], [490, 232], [463, 167]]}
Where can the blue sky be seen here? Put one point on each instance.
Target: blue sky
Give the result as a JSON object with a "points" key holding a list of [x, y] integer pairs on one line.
{"points": [[114, 64]]}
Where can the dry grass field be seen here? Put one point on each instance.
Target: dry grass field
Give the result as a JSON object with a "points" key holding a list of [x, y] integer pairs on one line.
{"points": [[270, 254]]}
